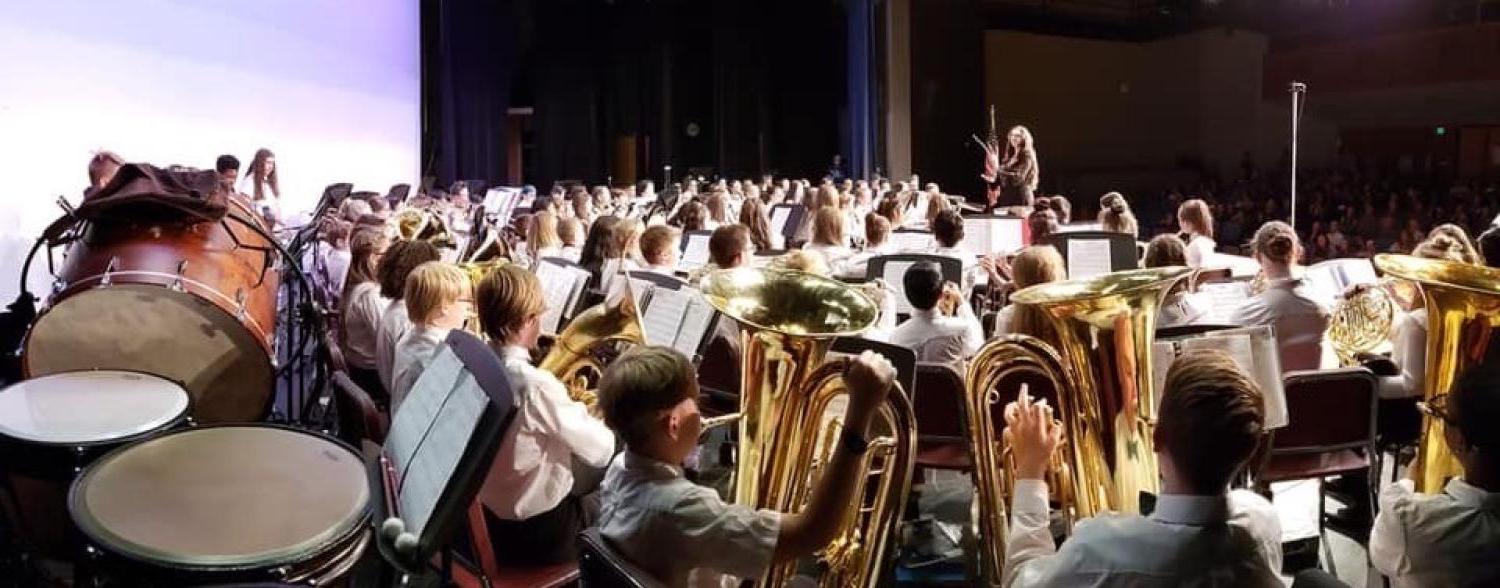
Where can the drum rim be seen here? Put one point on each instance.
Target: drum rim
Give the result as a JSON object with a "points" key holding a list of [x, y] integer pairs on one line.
{"points": [[102, 538], [196, 289], [144, 431]]}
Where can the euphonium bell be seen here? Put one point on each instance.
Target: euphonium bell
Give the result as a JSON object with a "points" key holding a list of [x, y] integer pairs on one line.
{"points": [[415, 224], [1463, 315], [591, 341], [788, 320], [1099, 380]]}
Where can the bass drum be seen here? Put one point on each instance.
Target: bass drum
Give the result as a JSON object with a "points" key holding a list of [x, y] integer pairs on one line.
{"points": [[194, 302]]}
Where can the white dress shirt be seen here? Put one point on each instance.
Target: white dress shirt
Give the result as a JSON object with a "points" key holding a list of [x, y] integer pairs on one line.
{"points": [[533, 473], [834, 255], [1447, 539], [1182, 308], [1409, 353], [943, 339], [1300, 322], [393, 325], [1199, 249], [857, 265], [413, 352], [1229, 540], [570, 253], [680, 532], [361, 319]]}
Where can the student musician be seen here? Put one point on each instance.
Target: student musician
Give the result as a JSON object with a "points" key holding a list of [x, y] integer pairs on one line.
{"points": [[1037, 264], [828, 238], [534, 508], [685, 534], [942, 327], [877, 243], [1180, 306], [1449, 538], [659, 249], [361, 307], [262, 184], [395, 266], [570, 232], [1300, 319], [438, 299], [1115, 215], [1201, 533], [1196, 222]]}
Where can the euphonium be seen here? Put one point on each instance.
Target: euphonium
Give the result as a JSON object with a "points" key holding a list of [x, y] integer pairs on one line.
{"points": [[1101, 382], [1463, 314], [591, 341], [789, 412], [415, 224]]}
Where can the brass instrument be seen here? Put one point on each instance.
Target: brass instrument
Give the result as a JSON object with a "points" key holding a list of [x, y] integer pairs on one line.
{"points": [[1463, 313], [415, 224], [1360, 322], [590, 342], [487, 256], [1102, 380], [789, 423]]}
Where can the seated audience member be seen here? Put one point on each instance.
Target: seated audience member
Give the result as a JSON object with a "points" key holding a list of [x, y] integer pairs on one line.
{"points": [[1299, 318], [659, 249], [1468, 253], [877, 243], [395, 266], [1115, 215], [1449, 538], [1201, 533], [1181, 306], [1196, 222], [828, 238], [534, 508], [942, 327], [570, 232], [438, 297], [1037, 264], [685, 534], [754, 216], [542, 239], [360, 310]]}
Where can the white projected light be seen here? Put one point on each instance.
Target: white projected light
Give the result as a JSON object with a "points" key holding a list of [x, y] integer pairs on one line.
{"points": [[333, 88]]}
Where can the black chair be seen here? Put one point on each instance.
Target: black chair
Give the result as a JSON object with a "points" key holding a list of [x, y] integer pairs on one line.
{"points": [[599, 565], [358, 416], [903, 358], [1122, 254]]}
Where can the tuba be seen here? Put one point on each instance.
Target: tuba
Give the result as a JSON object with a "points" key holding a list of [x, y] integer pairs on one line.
{"points": [[788, 320], [1463, 314], [1099, 381], [590, 342]]}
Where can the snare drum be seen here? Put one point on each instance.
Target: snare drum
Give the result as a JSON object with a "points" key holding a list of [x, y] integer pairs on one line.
{"points": [[53, 426], [226, 504]]}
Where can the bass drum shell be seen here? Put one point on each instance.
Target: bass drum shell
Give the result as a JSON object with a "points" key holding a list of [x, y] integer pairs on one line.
{"points": [[193, 302]]}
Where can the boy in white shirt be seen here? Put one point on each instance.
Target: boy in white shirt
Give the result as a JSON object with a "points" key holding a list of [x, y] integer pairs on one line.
{"points": [[398, 262], [438, 298], [534, 507], [684, 533], [659, 249], [936, 336]]}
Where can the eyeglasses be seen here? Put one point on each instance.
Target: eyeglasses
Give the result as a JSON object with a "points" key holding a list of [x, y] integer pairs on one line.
{"points": [[1437, 408]]}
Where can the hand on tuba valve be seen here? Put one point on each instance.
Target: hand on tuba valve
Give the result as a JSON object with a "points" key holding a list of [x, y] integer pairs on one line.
{"points": [[1032, 435]]}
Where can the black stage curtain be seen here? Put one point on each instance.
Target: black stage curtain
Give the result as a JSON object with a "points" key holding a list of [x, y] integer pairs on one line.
{"points": [[468, 65]]}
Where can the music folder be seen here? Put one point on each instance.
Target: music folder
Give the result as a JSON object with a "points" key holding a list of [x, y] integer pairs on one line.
{"points": [[680, 319], [1253, 348]]}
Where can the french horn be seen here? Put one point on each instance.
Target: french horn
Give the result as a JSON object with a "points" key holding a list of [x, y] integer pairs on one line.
{"points": [[1099, 379], [788, 399]]}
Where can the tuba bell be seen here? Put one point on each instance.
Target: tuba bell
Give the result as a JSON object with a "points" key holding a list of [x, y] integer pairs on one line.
{"points": [[788, 320], [1463, 315], [1099, 380]]}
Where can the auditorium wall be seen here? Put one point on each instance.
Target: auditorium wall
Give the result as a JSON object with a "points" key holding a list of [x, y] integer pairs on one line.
{"points": [[332, 89]]}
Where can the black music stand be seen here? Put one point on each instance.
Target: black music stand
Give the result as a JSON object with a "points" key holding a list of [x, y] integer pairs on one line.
{"points": [[1122, 250], [482, 379]]}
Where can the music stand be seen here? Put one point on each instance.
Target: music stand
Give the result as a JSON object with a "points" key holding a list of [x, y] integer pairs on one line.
{"points": [[418, 455], [398, 193], [1122, 250]]}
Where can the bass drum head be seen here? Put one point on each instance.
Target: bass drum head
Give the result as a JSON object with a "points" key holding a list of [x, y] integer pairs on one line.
{"points": [[89, 408], [161, 331], [223, 498]]}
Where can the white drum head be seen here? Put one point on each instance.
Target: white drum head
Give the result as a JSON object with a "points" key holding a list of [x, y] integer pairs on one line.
{"points": [[83, 408], [157, 330]]}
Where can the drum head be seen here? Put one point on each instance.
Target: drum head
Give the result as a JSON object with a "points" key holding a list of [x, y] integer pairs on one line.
{"points": [[87, 408], [232, 497], [161, 331]]}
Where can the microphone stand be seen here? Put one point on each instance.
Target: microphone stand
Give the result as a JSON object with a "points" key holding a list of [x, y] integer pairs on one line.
{"points": [[1299, 99]]}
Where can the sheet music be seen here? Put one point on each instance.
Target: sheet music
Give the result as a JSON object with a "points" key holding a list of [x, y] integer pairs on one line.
{"points": [[695, 323], [1224, 298], [892, 275], [663, 316], [779, 217], [639, 288], [1328, 280], [1088, 258], [1239, 265], [429, 434], [912, 242], [695, 254], [557, 289], [1253, 348], [977, 238], [1080, 227]]}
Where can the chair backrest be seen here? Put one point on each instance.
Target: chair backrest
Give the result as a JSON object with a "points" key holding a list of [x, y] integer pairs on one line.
{"points": [[359, 418], [600, 565], [332, 354], [938, 402], [1122, 251], [1328, 410], [903, 358], [719, 372]]}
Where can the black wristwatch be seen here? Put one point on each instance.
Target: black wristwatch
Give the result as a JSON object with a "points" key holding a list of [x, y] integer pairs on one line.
{"points": [[853, 443]]}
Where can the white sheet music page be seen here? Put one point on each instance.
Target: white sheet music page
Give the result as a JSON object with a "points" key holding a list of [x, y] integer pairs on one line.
{"points": [[429, 434], [557, 288], [1266, 371], [1224, 298], [910, 242], [695, 255], [663, 316], [695, 321], [779, 216], [1005, 235], [893, 273], [1088, 258], [977, 238], [1163, 353]]}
